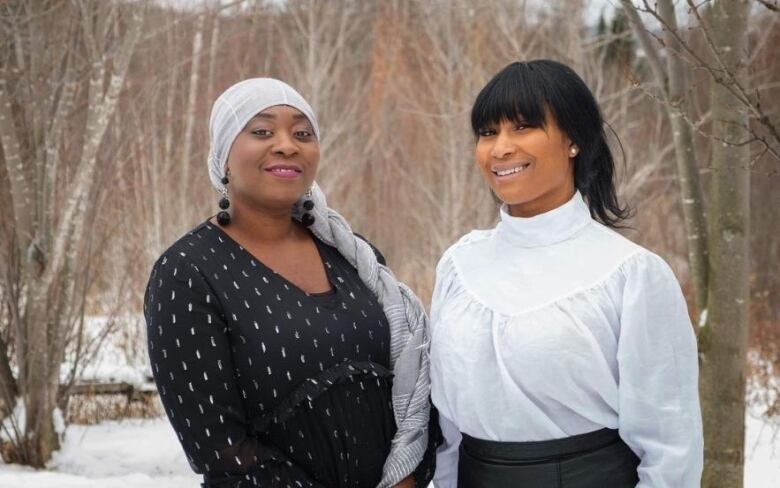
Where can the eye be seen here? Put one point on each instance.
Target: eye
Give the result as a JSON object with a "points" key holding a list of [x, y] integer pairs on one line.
{"points": [[303, 134], [521, 126], [261, 132], [486, 132]]}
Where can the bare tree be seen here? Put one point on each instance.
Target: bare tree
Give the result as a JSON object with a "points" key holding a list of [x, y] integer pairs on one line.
{"points": [[670, 78], [189, 120], [330, 45], [51, 197], [720, 263], [723, 340], [392, 83]]}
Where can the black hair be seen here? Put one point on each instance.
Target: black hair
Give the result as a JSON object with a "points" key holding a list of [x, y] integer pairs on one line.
{"points": [[524, 91]]}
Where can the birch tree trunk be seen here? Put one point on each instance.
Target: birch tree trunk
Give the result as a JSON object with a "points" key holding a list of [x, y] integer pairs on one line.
{"points": [[719, 263], [213, 59], [687, 169], [723, 339], [52, 227], [671, 80], [189, 124]]}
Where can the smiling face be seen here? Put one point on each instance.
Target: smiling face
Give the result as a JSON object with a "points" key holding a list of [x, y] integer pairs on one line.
{"points": [[273, 160], [529, 168]]}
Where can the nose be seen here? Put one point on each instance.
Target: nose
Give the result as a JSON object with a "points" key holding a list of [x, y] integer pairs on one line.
{"points": [[503, 147], [284, 145]]}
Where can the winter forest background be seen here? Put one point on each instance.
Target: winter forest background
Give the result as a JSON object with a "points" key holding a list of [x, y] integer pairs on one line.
{"points": [[104, 107]]}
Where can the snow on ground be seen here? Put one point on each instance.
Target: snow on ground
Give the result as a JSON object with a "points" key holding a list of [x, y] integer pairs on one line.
{"points": [[115, 351], [128, 454], [762, 453], [146, 454]]}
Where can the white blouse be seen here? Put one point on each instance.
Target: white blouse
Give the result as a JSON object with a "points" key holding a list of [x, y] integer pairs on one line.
{"points": [[555, 325]]}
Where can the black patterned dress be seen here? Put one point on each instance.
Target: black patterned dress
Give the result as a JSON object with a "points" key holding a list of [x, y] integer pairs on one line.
{"points": [[267, 385]]}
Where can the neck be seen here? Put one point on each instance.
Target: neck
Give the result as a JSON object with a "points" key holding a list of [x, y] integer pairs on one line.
{"points": [[267, 225], [541, 205], [557, 225]]}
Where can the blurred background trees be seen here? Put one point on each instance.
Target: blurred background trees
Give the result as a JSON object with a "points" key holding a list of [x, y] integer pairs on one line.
{"points": [[103, 129], [63, 69], [718, 231]]}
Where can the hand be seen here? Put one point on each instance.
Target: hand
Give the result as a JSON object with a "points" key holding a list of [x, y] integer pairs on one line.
{"points": [[407, 482]]}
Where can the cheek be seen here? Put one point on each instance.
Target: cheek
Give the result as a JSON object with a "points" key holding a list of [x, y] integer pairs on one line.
{"points": [[557, 149], [244, 151], [313, 157], [560, 163], [482, 156]]}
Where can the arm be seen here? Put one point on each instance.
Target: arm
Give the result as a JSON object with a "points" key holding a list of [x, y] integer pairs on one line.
{"points": [[659, 416], [423, 475], [447, 455], [192, 365]]}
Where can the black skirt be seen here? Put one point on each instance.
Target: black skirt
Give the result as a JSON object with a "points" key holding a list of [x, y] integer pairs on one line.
{"points": [[593, 460]]}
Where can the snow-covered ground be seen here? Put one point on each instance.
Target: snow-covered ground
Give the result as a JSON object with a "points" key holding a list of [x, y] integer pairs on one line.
{"points": [[762, 454], [127, 454], [146, 454]]}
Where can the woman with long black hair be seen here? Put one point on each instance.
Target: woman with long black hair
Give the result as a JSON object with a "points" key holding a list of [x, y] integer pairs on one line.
{"points": [[562, 353]]}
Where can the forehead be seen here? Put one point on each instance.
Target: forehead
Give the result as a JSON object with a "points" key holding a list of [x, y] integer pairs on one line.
{"points": [[280, 112]]}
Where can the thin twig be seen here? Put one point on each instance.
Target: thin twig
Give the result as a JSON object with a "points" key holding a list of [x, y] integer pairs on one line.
{"points": [[722, 76], [697, 125], [770, 6]]}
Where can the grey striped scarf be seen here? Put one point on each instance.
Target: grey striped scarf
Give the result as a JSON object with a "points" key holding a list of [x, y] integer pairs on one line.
{"points": [[408, 338]]}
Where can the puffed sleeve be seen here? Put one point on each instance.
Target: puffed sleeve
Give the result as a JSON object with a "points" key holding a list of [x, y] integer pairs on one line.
{"points": [[446, 475], [190, 355], [659, 416]]}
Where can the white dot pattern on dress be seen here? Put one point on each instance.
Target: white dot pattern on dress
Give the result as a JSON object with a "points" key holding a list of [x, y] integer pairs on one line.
{"points": [[229, 340]]}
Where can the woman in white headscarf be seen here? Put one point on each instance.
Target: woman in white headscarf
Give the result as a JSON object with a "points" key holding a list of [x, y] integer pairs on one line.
{"points": [[285, 352]]}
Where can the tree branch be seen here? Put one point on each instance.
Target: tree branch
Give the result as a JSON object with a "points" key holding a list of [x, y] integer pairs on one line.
{"points": [[723, 76], [644, 36], [771, 6]]}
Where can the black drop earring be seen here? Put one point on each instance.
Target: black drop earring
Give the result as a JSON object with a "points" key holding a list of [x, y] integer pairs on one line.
{"points": [[223, 217], [308, 219]]}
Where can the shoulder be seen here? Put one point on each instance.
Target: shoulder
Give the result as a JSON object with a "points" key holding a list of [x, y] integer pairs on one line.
{"points": [[634, 254], [473, 238], [379, 256], [178, 273], [446, 268], [649, 267], [180, 258], [609, 240], [637, 263], [600, 253]]}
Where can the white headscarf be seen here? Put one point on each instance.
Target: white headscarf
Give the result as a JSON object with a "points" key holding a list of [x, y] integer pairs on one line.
{"points": [[236, 107]]}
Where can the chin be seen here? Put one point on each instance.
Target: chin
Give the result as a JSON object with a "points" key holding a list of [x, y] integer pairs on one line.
{"points": [[274, 201], [290, 194], [514, 198]]}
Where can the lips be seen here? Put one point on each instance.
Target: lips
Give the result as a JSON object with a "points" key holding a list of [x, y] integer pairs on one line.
{"points": [[508, 170], [285, 171]]}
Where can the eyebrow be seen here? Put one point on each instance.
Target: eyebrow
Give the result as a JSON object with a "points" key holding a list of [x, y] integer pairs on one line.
{"points": [[263, 115]]}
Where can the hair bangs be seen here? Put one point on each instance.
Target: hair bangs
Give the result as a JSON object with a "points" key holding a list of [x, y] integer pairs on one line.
{"points": [[515, 94], [528, 91]]}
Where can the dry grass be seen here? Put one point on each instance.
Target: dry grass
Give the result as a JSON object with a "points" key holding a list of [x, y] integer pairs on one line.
{"points": [[93, 409]]}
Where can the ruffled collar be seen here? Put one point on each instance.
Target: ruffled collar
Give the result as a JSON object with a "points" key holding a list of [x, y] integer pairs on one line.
{"points": [[557, 225]]}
